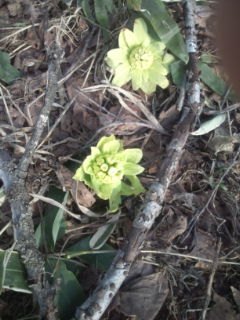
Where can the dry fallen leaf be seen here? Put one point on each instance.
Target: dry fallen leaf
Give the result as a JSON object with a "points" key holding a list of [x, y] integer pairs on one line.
{"points": [[205, 247], [222, 310], [144, 296], [236, 296], [80, 193], [172, 226]]}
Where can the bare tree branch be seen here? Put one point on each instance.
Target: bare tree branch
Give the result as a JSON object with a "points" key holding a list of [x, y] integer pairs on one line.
{"points": [[14, 184], [95, 306]]}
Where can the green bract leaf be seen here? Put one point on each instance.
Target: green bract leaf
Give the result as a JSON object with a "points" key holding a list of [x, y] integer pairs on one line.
{"points": [[104, 170], [112, 146], [139, 58], [136, 184], [103, 141], [132, 169], [133, 155]]}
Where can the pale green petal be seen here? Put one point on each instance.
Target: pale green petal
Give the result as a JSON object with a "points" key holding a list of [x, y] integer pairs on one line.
{"points": [[168, 58], [105, 140], [148, 86], [94, 152], [116, 57], [162, 81], [157, 48], [87, 180], [130, 168], [120, 157], [157, 68], [106, 190], [141, 32], [112, 146], [79, 175], [127, 39], [96, 185], [87, 165], [136, 76], [122, 75], [133, 155]]}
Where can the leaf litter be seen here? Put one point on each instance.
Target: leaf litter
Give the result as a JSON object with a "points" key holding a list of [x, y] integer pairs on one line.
{"points": [[176, 259]]}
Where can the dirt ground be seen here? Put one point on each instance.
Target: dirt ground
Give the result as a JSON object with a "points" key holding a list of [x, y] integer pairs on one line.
{"points": [[189, 264]]}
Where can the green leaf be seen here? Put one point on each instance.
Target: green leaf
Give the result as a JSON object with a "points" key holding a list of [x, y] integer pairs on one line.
{"points": [[134, 4], [101, 261], [102, 9], [44, 232], [178, 73], [12, 272], [103, 233], [126, 190], [214, 82], [115, 199], [87, 9], [165, 27], [8, 73], [136, 184], [58, 221], [130, 168], [210, 125], [133, 155], [207, 58], [70, 293]]}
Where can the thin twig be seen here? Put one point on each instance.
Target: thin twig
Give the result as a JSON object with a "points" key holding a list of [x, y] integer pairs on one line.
{"points": [[95, 306], [196, 217], [221, 261], [210, 282]]}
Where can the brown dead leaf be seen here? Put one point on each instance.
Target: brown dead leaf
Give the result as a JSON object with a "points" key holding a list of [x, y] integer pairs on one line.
{"points": [[205, 247], [79, 191], [144, 296], [222, 310], [203, 15], [15, 8], [236, 296], [119, 114], [84, 110], [172, 226]]}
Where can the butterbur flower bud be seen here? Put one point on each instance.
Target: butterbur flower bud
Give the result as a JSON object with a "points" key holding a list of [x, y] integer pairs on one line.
{"points": [[112, 171], [139, 58]]}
